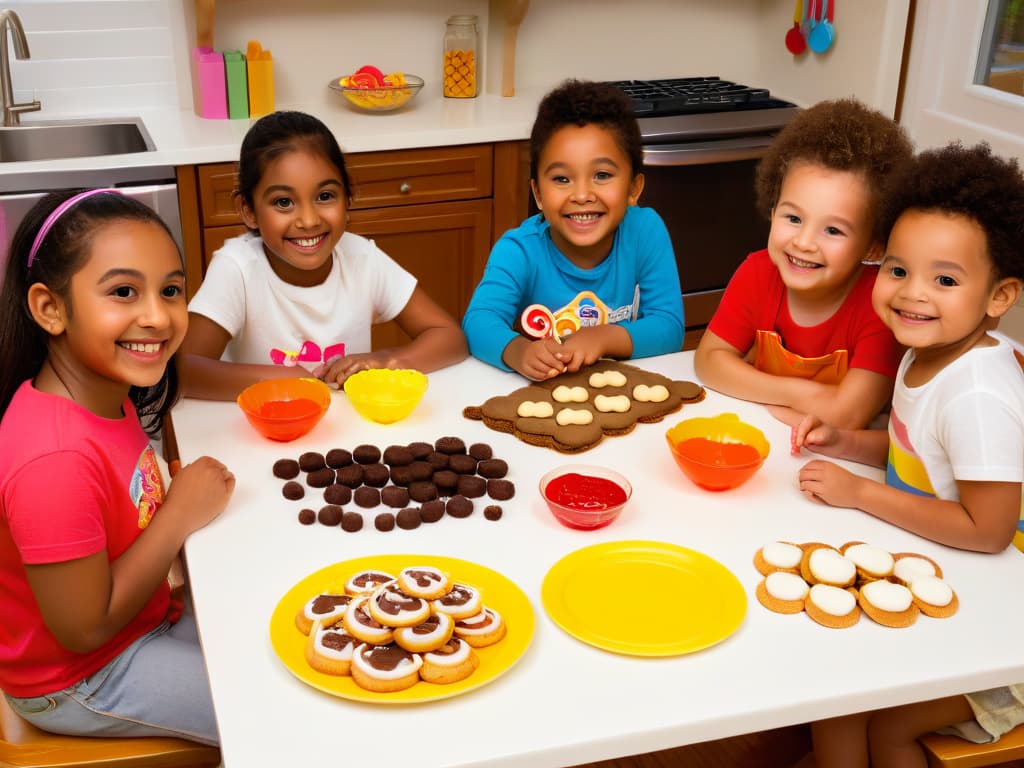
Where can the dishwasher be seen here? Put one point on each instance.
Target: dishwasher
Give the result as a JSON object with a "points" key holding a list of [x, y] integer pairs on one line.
{"points": [[156, 186]]}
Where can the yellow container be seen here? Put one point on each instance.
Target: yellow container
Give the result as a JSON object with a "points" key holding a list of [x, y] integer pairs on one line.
{"points": [[461, 42], [260, 73]]}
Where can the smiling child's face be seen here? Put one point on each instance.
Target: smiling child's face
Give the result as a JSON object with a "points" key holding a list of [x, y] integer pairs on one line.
{"points": [[299, 208], [584, 185], [821, 230]]}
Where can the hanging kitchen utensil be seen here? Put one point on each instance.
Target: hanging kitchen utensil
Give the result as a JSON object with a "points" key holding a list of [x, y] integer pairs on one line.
{"points": [[515, 12], [795, 42], [823, 34]]}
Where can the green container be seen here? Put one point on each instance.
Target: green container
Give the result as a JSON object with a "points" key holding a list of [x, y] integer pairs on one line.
{"points": [[237, 82]]}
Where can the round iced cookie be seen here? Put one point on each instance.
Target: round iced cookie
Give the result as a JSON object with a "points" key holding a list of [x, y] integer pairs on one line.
{"points": [[871, 562], [782, 592], [423, 581], [934, 597], [778, 556], [483, 629], [832, 606], [385, 668], [358, 622], [453, 661], [887, 603], [825, 565], [432, 633], [390, 606], [460, 601], [366, 581]]}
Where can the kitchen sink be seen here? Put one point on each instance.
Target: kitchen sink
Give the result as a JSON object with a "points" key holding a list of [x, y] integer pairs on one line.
{"points": [[51, 140]]}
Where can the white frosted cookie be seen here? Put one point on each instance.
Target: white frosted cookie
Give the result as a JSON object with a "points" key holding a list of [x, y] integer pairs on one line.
{"points": [[909, 566], [782, 592], [460, 601], [602, 379], [385, 668], [564, 394], [934, 597], [872, 562], [423, 581], [832, 606], [329, 649], [888, 603], [435, 631], [453, 661], [825, 565], [358, 622], [366, 581], [486, 628], [328, 608], [778, 556]]}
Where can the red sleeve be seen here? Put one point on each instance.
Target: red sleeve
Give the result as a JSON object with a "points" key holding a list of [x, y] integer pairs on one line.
{"points": [[750, 303], [55, 509], [874, 347]]}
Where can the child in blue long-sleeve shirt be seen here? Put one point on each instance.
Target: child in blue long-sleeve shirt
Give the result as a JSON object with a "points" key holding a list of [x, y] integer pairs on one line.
{"points": [[592, 275]]}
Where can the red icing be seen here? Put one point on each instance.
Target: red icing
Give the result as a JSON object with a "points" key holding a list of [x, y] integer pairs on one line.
{"points": [[584, 492], [301, 408], [719, 454]]}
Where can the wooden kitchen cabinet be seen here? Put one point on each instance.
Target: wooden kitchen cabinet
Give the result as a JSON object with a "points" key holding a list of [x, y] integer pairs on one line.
{"points": [[429, 209]]}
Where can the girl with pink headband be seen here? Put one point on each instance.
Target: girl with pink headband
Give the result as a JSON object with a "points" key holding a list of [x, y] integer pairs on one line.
{"points": [[92, 310]]}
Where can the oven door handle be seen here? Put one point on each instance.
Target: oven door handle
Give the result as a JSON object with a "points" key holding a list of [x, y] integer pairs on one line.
{"points": [[703, 152]]}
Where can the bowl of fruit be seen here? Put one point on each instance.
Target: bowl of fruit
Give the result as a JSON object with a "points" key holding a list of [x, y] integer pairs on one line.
{"points": [[370, 89]]}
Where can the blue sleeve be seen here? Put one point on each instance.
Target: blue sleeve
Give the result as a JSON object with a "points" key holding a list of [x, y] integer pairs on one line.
{"points": [[660, 326], [490, 317]]}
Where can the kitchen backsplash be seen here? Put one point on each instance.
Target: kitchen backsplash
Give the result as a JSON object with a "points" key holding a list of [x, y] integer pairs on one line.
{"points": [[90, 56]]}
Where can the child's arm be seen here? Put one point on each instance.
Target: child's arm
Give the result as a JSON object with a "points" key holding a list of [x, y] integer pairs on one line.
{"points": [[437, 342], [208, 377], [85, 602], [588, 345], [536, 359], [984, 520], [851, 404]]}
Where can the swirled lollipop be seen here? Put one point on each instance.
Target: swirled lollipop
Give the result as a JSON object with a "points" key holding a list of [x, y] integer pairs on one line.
{"points": [[538, 322]]}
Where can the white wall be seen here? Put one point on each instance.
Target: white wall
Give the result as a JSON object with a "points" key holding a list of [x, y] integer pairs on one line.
{"points": [[98, 55]]}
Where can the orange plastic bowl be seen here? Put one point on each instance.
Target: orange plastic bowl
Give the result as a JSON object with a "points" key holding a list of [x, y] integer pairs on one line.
{"points": [[284, 409], [585, 496], [718, 452]]}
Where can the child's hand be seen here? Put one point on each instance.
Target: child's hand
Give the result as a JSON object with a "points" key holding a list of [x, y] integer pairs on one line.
{"points": [[829, 483], [812, 433], [334, 373], [200, 491], [580, 349], [538, 360]]}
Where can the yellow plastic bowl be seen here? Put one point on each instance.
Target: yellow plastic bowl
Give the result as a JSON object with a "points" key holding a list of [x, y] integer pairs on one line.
{"points": [[284, 409], [729, 454], [385, 395]]}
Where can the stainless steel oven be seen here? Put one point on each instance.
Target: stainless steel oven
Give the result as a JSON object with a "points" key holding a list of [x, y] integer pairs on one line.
{"points": [[703, 138]]}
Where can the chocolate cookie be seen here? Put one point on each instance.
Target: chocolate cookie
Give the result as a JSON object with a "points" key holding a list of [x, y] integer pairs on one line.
{"points": [[320, 478], [365, 496], [446, 482], [311, 461], [352, 476], [293, 490], [401, 475], [432, 511], [420, 450], [438, 460], [352, 522], [307, 516], [385, 521], [459, 506], [492, 468], [422, 491], [462, 463], [450, 445], [472, 486], [421, 470], [337, 458], [481, 451], [329, 514], [408, 518], [286, 469], [394, 496], [337, 494], [500, 489], [397, 456], [376, 475], [492, 512], [366, 454]]}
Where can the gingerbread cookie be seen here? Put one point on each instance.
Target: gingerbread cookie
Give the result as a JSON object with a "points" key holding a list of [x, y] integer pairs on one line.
{"points": [[573, 412]]}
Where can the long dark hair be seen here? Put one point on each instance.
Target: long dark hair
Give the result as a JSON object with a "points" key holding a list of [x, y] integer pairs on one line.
{"points": [[64, 251]]}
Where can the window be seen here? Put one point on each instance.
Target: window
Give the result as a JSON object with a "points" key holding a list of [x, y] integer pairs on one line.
{"points": [[1001, 54]]}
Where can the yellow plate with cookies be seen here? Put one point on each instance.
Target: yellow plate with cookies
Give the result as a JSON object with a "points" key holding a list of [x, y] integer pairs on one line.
{"points": [[497, 591], [644, 598]]}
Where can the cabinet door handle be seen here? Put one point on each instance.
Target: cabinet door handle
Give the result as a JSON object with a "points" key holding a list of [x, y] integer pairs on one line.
{"points": [[405, 188]]}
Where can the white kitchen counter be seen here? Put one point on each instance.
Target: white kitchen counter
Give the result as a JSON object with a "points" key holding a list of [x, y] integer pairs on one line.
{"points": [[182, 138]]}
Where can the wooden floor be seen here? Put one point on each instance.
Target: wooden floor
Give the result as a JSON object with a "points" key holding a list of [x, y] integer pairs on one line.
{"points": [[779, 748]]}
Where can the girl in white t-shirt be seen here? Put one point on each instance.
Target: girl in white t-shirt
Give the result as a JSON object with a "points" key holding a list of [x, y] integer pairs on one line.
{"points": [[954, 450], [297, 289]]}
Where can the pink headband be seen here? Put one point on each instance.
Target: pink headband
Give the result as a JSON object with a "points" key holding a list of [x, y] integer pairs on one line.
{"points": [[57, 212]]}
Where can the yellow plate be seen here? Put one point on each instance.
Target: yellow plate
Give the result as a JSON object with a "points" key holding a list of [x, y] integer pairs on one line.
{"points": [[644, 598], [497, 591]]}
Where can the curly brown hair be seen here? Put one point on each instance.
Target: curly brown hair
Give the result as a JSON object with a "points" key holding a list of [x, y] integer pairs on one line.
{"points": [[580, 103], [971, 182], [841, 135]]}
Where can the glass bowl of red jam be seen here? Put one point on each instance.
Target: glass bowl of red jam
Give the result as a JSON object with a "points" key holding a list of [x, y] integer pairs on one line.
{"points": [[285, 409], [717, 452], [584, 496]]}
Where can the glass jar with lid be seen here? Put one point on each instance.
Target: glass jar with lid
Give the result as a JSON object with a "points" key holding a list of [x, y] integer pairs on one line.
{"points": [[461, 42]]}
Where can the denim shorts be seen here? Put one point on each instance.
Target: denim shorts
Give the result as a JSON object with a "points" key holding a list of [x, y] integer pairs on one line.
{"points": [[157, 686]]}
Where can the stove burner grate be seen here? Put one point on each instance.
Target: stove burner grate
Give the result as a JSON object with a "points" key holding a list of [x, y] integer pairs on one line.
{"points": [[683, 95]]}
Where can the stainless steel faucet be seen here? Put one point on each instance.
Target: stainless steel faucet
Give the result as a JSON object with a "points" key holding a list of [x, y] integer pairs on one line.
{"points": [[12, 112]]}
